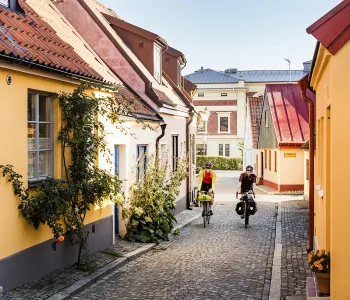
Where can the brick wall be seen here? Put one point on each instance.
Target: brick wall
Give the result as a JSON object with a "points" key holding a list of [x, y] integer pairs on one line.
{"points": [[212, 128], [215, 102]]}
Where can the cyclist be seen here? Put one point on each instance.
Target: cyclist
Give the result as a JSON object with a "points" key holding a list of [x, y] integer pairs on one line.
{"points": [[247, 182], [207, 181]]}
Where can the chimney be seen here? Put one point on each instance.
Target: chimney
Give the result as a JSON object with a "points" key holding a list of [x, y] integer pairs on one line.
{"points": [[307, 66], [231, 70], [201, 69]]}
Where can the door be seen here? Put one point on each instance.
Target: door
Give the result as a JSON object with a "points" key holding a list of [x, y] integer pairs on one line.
{"points": [[116, 172]]}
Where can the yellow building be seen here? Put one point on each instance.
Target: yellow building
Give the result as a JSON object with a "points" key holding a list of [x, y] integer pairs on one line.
{"points": [[34, 65], [330, 79]]}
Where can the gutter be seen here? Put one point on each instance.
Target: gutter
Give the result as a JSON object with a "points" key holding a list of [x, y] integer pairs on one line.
{"points": [[188, 190], [304, 85], [148, 85]]}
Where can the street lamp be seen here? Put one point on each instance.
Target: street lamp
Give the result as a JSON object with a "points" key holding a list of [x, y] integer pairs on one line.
{"points": [[290, 75], [205, 117]]}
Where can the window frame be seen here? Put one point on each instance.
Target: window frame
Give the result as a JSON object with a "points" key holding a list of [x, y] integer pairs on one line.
{"points": [[157, 54], [175, 150], [275, 154], [221, 149], [265, 162], [200, 94], [138, 153], [37, 123], [224, 115], [178, 74], [205, 127], [227, 150], [223, 94]]}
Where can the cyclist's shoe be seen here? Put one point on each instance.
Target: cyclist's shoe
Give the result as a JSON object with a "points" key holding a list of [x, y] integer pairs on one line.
{"points": [[242, 216], [203, 214], [211, 213]]}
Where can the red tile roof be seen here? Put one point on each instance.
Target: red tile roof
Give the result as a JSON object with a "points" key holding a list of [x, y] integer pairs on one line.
{"points": [[255, 108], [290, 113], [163, 98], [333, 29], [133, 102], [32, 40]]}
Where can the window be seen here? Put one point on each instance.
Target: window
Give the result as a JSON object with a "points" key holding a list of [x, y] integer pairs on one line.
{"points": [[265, 155], [202, 126], [40, 137], [275, 161], [270, 160], [227, 150], [178, 75], [201, 149], [266, 118], [200, 94], [163, 151], [175, 153], [223, 94], [221, 150], [141, 160], [157, 62], [307, 169], [223, 124], [4, 2]]}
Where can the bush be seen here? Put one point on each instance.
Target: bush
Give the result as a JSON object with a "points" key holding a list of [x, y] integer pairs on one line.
{"points": [[220, 163]]}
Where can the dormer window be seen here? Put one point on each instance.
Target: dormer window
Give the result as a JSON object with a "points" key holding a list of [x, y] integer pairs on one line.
{"points": [[157, 63], [178, 74]]}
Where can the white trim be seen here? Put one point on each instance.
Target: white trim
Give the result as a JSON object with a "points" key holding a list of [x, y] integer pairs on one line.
{"points": [[226, 108], [224, 115], [173, 112], [218, 137]]}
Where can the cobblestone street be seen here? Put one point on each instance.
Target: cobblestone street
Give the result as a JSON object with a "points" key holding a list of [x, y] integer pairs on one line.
{"points": [[222, 261]]}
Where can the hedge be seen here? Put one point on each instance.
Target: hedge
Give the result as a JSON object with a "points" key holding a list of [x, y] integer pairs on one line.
{"points": [[220, 163]]}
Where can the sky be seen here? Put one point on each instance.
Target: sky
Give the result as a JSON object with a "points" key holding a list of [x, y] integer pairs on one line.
{"points": [[221, 34]]}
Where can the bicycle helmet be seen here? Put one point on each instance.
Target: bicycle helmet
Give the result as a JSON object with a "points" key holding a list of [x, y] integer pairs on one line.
{"points": [[208, 165]]}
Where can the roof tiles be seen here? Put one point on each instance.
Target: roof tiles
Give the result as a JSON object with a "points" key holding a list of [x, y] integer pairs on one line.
{"points": [[31, 39], [290, 114]]}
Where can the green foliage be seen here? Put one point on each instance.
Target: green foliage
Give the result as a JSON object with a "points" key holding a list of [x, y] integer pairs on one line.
{"points": [[62, 204], [220, 163], [153, 199], [319, 261], [241, 148]]}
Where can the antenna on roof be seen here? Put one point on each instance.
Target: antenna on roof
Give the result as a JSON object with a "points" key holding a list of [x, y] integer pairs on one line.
{"points": [[290, 74]]}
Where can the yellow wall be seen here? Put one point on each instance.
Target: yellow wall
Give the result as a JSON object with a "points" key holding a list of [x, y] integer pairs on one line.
{"points": [[306, 181], [330, 80], [292, 171], [15, 233]]}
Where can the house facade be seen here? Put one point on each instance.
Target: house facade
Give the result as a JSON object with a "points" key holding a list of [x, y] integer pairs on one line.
{"points": [[36, 64], [329, 78], [135, 55], [225, 94], [284, 128]]}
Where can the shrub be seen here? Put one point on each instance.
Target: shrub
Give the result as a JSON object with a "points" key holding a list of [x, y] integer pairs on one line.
{"points": [[220, 162]]}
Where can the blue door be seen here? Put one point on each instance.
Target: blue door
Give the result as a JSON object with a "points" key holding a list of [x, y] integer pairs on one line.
{"points": [[116, 172]]}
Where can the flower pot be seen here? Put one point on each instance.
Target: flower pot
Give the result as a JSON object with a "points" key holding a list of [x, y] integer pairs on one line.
{"points": [[323, 282]]}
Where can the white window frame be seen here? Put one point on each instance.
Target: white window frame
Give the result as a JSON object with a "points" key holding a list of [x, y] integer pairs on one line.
{"points": [[157, 62], [37, 151], [178, 74], [224, 115], [200, 94]]}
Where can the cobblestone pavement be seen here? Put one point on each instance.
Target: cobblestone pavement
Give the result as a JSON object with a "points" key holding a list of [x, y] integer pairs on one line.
{"points": [[56, 281], [222, 261], [294, 270]]}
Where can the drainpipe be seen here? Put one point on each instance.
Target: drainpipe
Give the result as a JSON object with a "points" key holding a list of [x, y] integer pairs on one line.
{"points": [[188, 192], [162, 126], [303, 84]]}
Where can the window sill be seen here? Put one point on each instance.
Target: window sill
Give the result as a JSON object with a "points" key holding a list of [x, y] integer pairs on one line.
{"points": [[36, 183], [229, 132]]}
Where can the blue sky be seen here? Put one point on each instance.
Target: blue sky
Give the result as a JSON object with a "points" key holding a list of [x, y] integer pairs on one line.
{"points": [[221, 34]]}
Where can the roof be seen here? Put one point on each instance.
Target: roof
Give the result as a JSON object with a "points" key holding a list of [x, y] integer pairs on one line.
{"points": [[233, 75], [289, 112], [163, 97], [255, 107], [114, 21], [31, 40], [333, 29], [189, 86], [176, 53], [209, 76]]}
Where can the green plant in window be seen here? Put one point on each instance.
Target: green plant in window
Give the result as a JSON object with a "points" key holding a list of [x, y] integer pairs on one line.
{"points": [[62, 204]]}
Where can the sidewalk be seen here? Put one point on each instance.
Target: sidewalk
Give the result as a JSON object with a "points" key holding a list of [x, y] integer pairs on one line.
{"points": [[62, 283]]}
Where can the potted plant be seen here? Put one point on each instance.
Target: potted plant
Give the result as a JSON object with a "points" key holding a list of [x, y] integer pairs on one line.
{"points": [[320, 263]]}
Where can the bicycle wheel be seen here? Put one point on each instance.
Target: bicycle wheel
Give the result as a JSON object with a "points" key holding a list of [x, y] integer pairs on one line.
{"points": [[246, 214], [205, 212]]}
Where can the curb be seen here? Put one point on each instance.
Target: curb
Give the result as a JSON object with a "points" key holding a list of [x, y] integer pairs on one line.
{"points": [[76, 287], [81, 284]]}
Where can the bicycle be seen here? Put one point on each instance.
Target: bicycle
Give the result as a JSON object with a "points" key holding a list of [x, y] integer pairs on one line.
{"points": [[248, 209], [205, 199]]}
